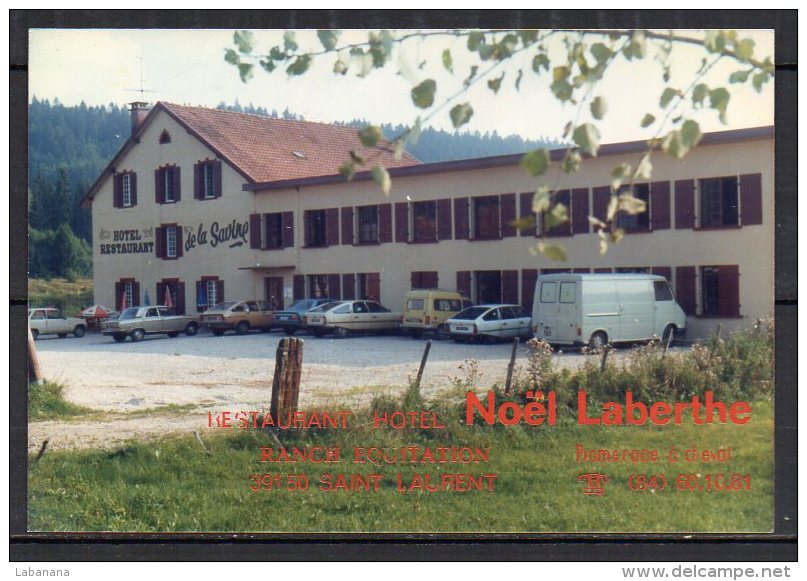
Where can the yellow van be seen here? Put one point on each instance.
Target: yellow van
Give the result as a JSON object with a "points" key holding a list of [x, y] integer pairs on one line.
{"points": [[426, 312]]}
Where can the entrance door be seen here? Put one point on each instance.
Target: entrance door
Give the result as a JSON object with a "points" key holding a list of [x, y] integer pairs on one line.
{"points": [[488, 287], [273, 292]]}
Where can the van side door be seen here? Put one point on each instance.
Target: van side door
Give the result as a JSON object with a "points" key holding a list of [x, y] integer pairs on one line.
{"points": [[637, 309]]}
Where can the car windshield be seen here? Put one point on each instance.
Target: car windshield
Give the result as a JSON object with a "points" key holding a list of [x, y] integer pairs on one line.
{"points": [[128, 314], [303, 306], [471, 314], [326, 307], [220, 307]]}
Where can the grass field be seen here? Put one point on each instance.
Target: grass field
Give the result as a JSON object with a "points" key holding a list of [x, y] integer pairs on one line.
{"points": [[177, 485], [69, 296]]}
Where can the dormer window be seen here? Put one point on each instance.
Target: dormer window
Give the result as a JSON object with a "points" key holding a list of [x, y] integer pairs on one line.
{"points": [[165, 137], [207, 180]]}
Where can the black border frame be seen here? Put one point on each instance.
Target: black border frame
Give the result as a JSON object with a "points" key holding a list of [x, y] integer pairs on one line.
{"points": [[780, 545]]}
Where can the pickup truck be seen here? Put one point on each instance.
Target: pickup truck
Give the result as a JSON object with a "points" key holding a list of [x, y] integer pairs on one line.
{"points": [[50, 321], [137, 322]]}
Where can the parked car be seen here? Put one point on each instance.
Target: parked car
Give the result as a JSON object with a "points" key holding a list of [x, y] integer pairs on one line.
{"points": [[137, 322], [344, 317], [491, 322], [291, 320], [49, 321], [240, 316], [426, 311], [596, 309]]}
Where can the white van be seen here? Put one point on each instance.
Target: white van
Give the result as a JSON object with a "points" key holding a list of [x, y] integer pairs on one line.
{"points": [[596, 309]]}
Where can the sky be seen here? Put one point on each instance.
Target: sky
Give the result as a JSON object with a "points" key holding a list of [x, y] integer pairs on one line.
{"points": [[100, 67]]}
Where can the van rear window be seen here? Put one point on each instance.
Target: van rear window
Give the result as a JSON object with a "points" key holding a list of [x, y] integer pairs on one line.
{"points": [[414, 305], [568, 291], [549, 292]]}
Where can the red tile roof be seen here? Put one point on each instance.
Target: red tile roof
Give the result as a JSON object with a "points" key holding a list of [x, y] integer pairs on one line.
{"points": [[265, 149]]}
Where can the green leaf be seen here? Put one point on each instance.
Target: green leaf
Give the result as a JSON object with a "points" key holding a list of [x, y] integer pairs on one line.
{"points": [[245, 71], [635, 49], [528, 36], [715, 40], [423, 94], [719, 100], [231, 56], [560, 73], [598, 108], [690, 133], [276, 54], [381, 177], [613, 206], [348, 170], [648, 120], [518, 79], [268, 65], [300, 65], [243, 40], [644, 170], [289, 42], [587, 138], [370, 135], [356, 158], [461, 114], [471, 75], [601, 52], [541, 200], [475, 40], [495, 84], [551, 251], [571, 161], [448, 62], [562, 89], [745, 49], [535, 162], [619, 174], [617, 234], [678, 143], [630, 204], [759, 79], [699, 93], [739, 76], [668, 95], [486, 51], [328, 38], [340, 67], [540, 61]]}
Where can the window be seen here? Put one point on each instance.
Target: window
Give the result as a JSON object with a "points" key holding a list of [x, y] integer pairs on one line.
{"points": [[318, 286], [447, 305], [549, 292], [486, 217], [424, 222], [127, 294], [167, 184], [370, 286], [720, 291], [124, 186], [368, 224], [171, 294], [316, 228], [662, 291], [424, 279], [165, 137], [207, 180], [550, 222], [491, 315], [274, 230], [719, 202], [209, 292], [633, 270], [568, 292], [636, 222], [168, 241], [171, 242]]}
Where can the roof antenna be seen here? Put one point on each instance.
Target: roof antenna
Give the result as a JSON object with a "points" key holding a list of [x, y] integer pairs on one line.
{"points": [[141, 90]]}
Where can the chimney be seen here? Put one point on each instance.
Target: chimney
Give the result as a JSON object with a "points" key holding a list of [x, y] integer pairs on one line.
{"points": [[138, 110]]}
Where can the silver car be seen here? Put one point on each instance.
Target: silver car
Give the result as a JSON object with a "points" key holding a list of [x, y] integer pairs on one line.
{"points": [[49, 321], [345, 317]]}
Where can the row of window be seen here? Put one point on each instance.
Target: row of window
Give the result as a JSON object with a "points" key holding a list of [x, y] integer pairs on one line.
{"points": [[207, 184], [721, 202], [171, 293]]}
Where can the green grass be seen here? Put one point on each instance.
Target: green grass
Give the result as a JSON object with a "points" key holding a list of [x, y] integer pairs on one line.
{"points": [[69, 296], [46, 402], [174, 485]]}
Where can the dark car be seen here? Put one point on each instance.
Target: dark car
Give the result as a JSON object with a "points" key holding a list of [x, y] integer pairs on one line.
{"points": [[291, 320]]}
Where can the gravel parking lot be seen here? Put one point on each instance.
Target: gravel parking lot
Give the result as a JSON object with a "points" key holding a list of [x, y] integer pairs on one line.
{"points": [[235, 373]]}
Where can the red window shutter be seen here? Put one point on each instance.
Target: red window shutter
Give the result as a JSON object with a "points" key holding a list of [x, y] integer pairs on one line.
{"points": [[416, 280], [374, 286], [134, 188], [299, 287], [217, 179], [510, 286], [562, 197], [219, 291], [424, 279], [332, 226], [118, 295], [581, 270], [177, 186], [198, 188], [385, 223], [529, 276], [401, 222], [159, 241], [751, 199], [255, 231], [685, 289], [729, 291], [159, 298], [444, 219], [179, 241], [135, 294], [348, 286], [179, 307], [664, 271], [508, 215], [117, 192], [288, 229], [347, 225], [684, 204], [159, 186], [464, 282], [603, 270], [461, 226], [525, 212], [602, 197], [660, 205], [334, 286], [579, 211]]}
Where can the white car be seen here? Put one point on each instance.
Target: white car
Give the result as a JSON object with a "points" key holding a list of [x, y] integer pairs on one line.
{"points": [[491, 322], [48, 321]]}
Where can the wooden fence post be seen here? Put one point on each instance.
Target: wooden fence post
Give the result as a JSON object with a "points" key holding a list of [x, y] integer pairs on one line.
{"points": [[605, 351], [34, 372], [428, 348], [510, 367], [286, 383]]}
